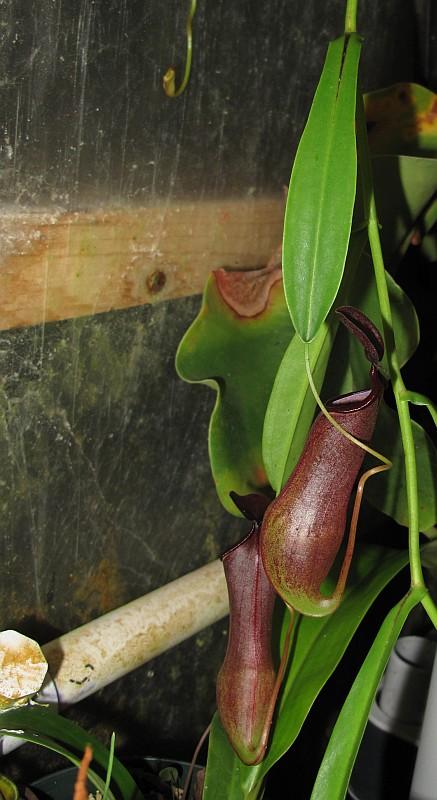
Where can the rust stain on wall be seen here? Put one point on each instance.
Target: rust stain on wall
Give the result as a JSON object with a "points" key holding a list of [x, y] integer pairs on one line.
{"points": [[98, 590]]}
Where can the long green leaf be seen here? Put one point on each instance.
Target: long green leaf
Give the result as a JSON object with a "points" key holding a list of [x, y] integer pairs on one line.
{"points": [[319, 645], [239, 356], [321, 195], [226, 776], [315, 659], [290, 410], [39, 722], [50, 744], [334, 774], [291, 405]]}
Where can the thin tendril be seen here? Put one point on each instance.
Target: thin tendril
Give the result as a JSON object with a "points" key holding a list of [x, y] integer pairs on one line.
{"points": [[353, 527], [334, 422], [199, 746], [279, 677], [169, 79]]}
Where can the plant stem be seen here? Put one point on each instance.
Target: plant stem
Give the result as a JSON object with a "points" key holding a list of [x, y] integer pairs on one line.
{"points": [[399, 390], [430, 608], [169, 79], [350, 20]]}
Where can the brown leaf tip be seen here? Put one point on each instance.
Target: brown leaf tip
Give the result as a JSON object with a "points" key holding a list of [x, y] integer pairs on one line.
{"points": [[247, 292]]}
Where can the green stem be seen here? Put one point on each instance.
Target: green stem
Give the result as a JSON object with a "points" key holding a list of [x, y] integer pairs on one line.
{"points": [[399, 389], [169, 79], [430, 608], [350, 20]]}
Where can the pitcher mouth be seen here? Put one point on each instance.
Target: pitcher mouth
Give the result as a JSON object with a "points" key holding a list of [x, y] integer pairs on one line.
{"points": [[353, 401]]}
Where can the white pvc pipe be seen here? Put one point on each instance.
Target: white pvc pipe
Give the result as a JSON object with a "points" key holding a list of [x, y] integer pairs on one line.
{"points": [[424, 783], [399, 705], [87, 659]]}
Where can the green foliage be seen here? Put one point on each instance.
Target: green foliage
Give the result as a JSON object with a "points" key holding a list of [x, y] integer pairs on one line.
{"points": [[402, 120], [312, 663], [8, 790], [264, 406], [42, 726], [238, 356], [333, 778], [290, 410], [404, 187], [244, 354], [388, 491], [348, 370], [318, 216]]}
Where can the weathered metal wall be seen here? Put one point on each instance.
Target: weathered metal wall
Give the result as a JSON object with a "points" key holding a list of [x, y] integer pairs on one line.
{"points": [[105, 488], [106, 494], [83, 117]]}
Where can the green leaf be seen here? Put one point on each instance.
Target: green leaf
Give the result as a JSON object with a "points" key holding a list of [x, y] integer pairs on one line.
{"points": [[313, 661], [290, 410], [8, 790], [110, 767], [334, 774], [388, 491], [291, 406], [226, 776], [404, 185], [321, 194], [319, 645], [238, 356], [405, 321], [402, 119], [49, 744], [429, 246], [42, 726], [348, 371]]}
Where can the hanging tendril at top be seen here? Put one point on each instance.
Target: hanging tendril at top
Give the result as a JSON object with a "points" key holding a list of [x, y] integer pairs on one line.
{"points": [[169, 79]]}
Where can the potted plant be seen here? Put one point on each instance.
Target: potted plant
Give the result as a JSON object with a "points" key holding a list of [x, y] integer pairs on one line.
{"points": [[272, 345]]}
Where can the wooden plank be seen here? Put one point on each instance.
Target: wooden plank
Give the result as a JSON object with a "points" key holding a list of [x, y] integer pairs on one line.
{"points": [[62, 265]]}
